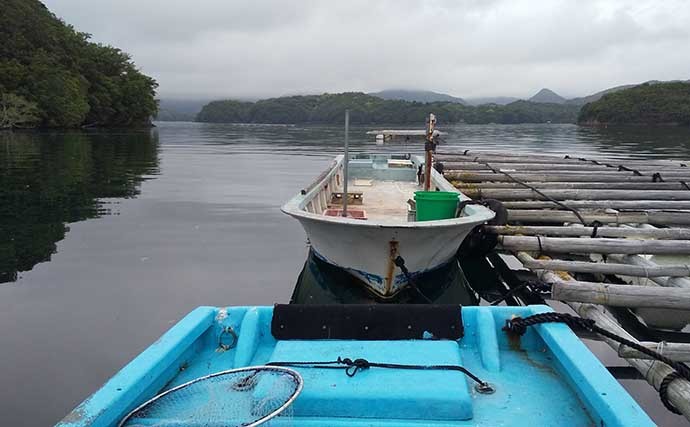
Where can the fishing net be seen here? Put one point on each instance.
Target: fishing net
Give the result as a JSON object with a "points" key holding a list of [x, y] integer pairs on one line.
{"points": [[239, 397]]}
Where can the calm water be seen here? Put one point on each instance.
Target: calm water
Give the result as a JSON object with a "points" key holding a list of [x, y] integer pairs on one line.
{"points": [[108, 238]]}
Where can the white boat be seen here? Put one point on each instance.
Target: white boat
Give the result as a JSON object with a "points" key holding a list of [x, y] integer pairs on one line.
{"points": [[381, 221]]}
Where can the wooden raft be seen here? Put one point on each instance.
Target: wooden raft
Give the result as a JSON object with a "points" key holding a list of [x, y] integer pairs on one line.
{"points": [[589, 228]]}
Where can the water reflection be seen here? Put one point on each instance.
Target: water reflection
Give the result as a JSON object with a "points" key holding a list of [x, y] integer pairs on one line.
{"points": [[323, 283], [48, 180], [208, 232]]}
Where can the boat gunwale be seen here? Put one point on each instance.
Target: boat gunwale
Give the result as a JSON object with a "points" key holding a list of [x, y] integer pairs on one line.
{"points": [[295, 206]]}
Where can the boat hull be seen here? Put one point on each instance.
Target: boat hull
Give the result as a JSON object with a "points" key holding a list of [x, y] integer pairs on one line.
{"points": [[368, 253]]}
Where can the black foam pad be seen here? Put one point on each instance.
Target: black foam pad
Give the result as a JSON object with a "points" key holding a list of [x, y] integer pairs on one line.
{"points": [[366, 321]]}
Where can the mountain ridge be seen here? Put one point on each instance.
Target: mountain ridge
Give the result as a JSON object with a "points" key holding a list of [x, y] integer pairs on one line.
{"points": [[413, 95], [547, 96]]}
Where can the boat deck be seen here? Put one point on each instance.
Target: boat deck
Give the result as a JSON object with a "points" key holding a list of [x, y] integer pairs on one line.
{"points": [[384, 200], [547, 376]]}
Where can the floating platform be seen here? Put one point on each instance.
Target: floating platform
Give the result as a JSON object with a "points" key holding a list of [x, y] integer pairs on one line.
{"points": [[431, 365], [608, 237]]}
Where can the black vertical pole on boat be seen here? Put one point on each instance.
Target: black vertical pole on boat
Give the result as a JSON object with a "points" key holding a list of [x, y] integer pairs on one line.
{"points": [[346, 161], [429, 148]]}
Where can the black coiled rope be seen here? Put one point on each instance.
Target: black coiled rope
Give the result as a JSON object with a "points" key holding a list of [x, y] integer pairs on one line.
{"points": [[353, 366], [400, 263], [536, 190], [518, 325]]}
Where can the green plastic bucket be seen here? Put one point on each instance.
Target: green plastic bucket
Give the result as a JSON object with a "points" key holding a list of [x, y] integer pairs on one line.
{"points": [[434, 205]]}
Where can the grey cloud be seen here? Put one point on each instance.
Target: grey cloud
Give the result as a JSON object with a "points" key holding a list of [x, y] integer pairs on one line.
{"points": [[226, 48]]}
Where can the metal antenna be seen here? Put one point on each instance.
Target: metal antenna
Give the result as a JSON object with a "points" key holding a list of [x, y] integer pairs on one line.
{"points": [[346, 161]]}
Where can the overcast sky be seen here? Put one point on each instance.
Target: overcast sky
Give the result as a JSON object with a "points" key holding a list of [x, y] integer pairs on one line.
{"points": [[467, 48]]}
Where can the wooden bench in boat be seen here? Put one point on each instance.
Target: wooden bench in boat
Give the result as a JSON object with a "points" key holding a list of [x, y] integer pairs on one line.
{"points": [[400, 163], [353, 198]]}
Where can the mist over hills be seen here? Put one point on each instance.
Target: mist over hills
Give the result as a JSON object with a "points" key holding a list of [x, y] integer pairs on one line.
{"points": [[179, 110], [498, 100]]}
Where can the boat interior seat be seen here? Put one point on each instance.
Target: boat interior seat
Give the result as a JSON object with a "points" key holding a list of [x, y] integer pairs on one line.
{"points": [[380, 334]]}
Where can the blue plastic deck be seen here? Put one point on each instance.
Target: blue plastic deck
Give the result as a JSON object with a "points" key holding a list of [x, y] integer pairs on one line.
{"points": [[547, 377]]}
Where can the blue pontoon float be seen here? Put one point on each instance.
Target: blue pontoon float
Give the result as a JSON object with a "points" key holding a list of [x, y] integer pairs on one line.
{"points": [[365, 365]]}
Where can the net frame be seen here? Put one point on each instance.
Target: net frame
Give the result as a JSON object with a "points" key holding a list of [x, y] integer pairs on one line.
{"points": [[256, 369]]}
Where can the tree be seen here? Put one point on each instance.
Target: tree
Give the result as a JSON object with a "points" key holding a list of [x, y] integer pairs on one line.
{"points": [[72, 81], [367, 109], [17, 112]]}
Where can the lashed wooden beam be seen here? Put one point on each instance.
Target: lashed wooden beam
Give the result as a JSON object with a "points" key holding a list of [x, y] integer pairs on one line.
{"points": [[577, 194], [559, 217], [574, 231], [606, 268], [679, 352], [596, 245]]}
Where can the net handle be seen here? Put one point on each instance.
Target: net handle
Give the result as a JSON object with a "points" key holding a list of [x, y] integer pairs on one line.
{"points": [[293, 373]]}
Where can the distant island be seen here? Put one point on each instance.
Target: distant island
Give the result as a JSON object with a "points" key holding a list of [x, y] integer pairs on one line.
{"points": [[652, 103], [369, 109], [52, 76]]}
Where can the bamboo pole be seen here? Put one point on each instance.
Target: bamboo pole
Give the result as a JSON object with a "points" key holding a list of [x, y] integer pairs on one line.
{"points": [[632, 296], [671, 175], [550, 177], [560, 217], [558, 165], [678, 282], [490, 156], [601, 204], [679, 352], [576, 194], [575, 185], [606, 268], [653, 371], [572, 231], [596, 245]]}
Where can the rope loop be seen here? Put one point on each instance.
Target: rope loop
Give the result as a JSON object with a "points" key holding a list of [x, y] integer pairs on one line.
{"points": [[354, 366], [595, 225], [663, 391]]}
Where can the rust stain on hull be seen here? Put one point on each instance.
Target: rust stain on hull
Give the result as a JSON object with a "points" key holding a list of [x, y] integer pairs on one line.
{"points": [[390, 269]]}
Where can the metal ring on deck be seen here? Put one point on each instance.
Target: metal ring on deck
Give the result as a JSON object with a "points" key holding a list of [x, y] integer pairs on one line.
{"points": [[227, 330]]}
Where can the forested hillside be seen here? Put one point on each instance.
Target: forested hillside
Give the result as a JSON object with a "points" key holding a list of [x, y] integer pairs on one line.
{"points": [[367, 109], [52, 76], [647, 104]]}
